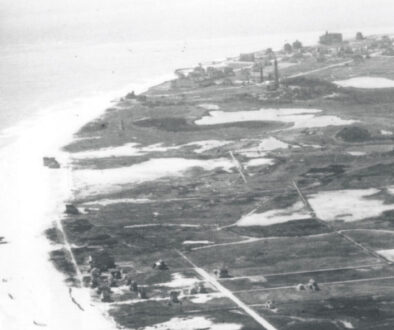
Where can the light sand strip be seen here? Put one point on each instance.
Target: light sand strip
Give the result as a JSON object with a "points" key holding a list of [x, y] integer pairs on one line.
{"points": [[323, 283]]}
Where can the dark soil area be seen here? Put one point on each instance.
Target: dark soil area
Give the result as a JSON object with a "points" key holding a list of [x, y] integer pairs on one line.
{"points": [[354, 134], [62, 262]]}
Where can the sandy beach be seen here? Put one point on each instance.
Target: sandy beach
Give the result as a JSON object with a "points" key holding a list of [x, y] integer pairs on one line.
{"points": [[33, 198]]}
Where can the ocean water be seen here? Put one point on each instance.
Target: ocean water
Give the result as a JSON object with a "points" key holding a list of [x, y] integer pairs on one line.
{"points": [[47, 91], [40, 78]]}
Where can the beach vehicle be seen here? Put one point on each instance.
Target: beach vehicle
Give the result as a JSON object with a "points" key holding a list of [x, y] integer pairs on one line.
{"points": [[51, 162]]}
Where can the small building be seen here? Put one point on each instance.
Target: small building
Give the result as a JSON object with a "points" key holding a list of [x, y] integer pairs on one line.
{"points": [[160, 265], [330, 38], [312, 285], [95, 274], [197, 289], [222, 273], [247, 57], [106, 294], [50, 162], [142, 293], [174, 297], [133, 286], [183, 83]]}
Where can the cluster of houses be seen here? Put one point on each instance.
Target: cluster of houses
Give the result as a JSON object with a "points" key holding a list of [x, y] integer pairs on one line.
{"points": [[360, 48], [262, 67], [202, 76]]}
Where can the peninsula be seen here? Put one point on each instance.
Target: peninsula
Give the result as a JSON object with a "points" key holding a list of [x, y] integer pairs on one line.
{"points": [[255, 192]]}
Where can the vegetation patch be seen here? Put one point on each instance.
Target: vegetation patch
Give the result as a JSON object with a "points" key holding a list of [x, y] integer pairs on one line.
{"points": [[61, 260], [354, 134], [303, 227]]}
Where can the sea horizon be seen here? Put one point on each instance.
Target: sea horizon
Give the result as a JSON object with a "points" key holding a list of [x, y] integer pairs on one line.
{"points": [[108, 71]]}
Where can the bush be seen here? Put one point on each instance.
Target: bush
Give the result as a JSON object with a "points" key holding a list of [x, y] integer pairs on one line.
{"points": [[354, 134], [102, 260]]}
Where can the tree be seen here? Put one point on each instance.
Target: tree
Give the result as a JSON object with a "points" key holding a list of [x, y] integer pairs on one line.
{"points": [[297, 45], [359, 36], [245, 75], [288, 48], [259, 67], [228, 71]]}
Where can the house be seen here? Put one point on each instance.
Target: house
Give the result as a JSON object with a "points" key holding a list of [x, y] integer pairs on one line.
{"points": [[330, 38], [249, 57], [133, 286], [160, 265], [222, 272], [182, 83]]}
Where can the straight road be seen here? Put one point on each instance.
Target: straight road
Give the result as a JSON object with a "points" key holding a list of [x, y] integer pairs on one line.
{"points": [[226, 292]]}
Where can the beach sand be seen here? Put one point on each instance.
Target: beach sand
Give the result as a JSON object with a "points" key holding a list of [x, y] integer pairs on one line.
{"points": [[32, 292]]}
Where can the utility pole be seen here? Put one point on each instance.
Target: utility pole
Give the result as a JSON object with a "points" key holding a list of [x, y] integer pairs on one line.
{"points": [[276, 73], [261, 73]]}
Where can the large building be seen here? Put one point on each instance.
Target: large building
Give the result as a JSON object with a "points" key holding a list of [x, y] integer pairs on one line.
{"points": [[331, 38]]}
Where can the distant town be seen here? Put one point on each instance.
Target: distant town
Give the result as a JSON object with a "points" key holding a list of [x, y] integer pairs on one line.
{"points": [[262, 67]]}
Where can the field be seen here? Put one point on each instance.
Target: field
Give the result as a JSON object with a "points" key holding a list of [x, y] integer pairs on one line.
{"points": [[183, 176]]}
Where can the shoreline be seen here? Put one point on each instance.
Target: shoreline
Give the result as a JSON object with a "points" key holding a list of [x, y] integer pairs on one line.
{"points": [[58, 181], [33, 198]]}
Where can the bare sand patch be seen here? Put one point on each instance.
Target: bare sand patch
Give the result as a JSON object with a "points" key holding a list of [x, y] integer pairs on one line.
{"points": [[209, 106], [272, 217], [207, 145], [193, 323], [204, 298], [259, 162], [106, 202], [388, 254], [135, 149], [180, 281], [348, 205], [366, 82], [196, 242], [385, 132], [265, 145], [109, 180], [357, 153], [301, 118], [129, 149]]}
